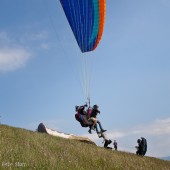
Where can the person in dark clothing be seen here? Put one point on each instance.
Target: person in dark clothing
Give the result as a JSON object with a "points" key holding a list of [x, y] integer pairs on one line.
{"points": [[82, 117], [115, 144], [106, 143], [80, 109], [139, 147], [93, 117], [142, 146]]}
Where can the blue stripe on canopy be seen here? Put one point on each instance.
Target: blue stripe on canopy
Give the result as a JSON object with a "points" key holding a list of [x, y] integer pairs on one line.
{"points": [[83, 17]]}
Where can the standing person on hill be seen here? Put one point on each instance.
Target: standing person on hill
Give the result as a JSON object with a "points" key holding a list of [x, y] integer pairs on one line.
{"points": [[139, 147], [115, 144], [142, 146]]}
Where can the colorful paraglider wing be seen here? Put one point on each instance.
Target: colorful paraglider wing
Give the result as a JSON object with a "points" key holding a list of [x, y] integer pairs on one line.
{"points": [[86, 19]]}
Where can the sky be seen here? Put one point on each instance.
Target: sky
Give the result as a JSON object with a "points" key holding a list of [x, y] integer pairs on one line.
{"points": [[41, 64]]}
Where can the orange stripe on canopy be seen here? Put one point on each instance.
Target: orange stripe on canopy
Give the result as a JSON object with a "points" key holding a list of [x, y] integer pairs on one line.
{"points": [[102, 11]]}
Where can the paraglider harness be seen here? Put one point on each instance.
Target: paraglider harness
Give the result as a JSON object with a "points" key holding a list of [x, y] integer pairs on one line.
{"points": [[142, 148], [82, 116]]}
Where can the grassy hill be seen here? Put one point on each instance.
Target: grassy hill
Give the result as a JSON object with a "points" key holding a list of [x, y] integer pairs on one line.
{"points": [[23, 149]]}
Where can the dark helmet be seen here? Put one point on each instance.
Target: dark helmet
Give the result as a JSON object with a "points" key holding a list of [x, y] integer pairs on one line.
{"points": [[95, 107], [76, 108], [138, 141]]}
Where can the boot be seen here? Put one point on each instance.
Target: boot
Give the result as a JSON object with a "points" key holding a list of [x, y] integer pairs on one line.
{"points": [[103, 130], [89, 131]]}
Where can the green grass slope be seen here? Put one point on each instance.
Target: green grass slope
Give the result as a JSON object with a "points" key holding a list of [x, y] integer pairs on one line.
{"points": [[23, 149]]}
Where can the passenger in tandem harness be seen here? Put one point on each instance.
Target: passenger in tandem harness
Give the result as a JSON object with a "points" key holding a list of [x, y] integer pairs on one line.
{"points": [[88, 118]]}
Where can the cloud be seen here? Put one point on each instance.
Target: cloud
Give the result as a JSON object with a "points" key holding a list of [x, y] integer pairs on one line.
{"points": [[5, 41], [44, 46], [13, 58], [42, 35], [12, 54], [40, 40], [4, 38], [156, 128]]}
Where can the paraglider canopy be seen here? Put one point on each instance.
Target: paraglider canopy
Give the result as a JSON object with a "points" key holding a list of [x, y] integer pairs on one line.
{"points": [[86, 19]]}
